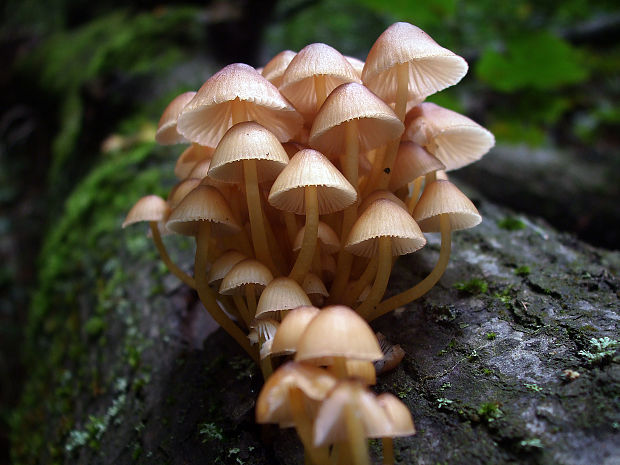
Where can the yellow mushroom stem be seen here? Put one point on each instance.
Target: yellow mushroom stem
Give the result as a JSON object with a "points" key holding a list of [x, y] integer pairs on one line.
{"points": [[375, 171], [308, 245], [243, 310], [364, 280], [427, 283], [250, 297], [274, 247], [358, 445], [412, 201], [320, 89], [207, 295], [384, 268], [174, 269], [291, 226], [303, 425], [388, 451], [257, 225], [402, 90]]}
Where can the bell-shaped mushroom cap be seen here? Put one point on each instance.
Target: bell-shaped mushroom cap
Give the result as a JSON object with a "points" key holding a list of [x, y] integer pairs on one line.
{"points": [[314, 288], [247, 141], [330, 243], [188, 159], [338, 331], [401, 423], [443, 197], [290, 330], [273, 406], [204, 203], [298, 83], [148, 208], [180, 190], [358, 65], [380, 194], [281, 294], [208, 115], [453, 138], [248, 271], [223, 265], [311, 168], [274, 69], [412, 161], [431, 67], [330, 424], [377, 123], [167, 128], [384, 218]]}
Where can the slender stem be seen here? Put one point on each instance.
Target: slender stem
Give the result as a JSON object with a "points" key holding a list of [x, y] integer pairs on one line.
{"points": [[304, 259], [266, 367], [402, 91], [345, 259], [291, 226], [384, 267], [321, 91], [352, 144], [242, 309], [257, 226], [388, 451], [415, 194], [340, 367], [207, 295], [274, 247], [303, 425], [174, 269], [425, 285], [250, 297], [375, 171], [358, 445], [430, 177], [369, 273]]}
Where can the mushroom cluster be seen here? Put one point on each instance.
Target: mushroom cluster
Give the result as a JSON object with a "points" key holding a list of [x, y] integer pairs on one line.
{"points": [[302, 183]]}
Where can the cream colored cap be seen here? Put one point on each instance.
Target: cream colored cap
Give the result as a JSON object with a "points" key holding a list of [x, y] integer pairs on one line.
{"points": [[377, 123], [281, 294], [443, 197], [148, 208], [167, 133], [412, 161], [247, 141], [431, 67], [314, 59], [311, 168], [330, 243], [274, 69], [188, 159], [204, 203], [248, 271], [453, 138], [384, 218], [223, 265], [208, 115], [292, 327], [338, 331]]}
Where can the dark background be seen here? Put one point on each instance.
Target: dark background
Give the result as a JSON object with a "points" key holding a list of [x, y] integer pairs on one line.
{"points": [[82, 81]]}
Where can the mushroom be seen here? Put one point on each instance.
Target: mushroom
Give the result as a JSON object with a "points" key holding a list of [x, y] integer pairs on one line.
{"points": [[310, 184], [202, 210], [384, 230], [248, 153], [155, 210], [167, 133], [441, 208]]}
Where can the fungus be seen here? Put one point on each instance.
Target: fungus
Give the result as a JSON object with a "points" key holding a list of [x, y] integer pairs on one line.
{"points": [[167, 133], [442, 208]]}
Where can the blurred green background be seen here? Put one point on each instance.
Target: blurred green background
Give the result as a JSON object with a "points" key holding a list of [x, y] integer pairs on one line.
{"points": [[84, 81]]}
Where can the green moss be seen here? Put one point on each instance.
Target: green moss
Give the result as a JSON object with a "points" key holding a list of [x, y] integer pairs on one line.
{"points": [[505, 296], [490, 411], [473, 286], [522, 271], [81, 245], [491, 336], [511, 223]]}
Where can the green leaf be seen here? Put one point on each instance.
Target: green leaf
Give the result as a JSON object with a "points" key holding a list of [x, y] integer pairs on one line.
{"points": [[540, 61]]}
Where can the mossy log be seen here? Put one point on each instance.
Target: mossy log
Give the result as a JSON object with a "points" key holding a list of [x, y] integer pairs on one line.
{"points": [[505, 358]]}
